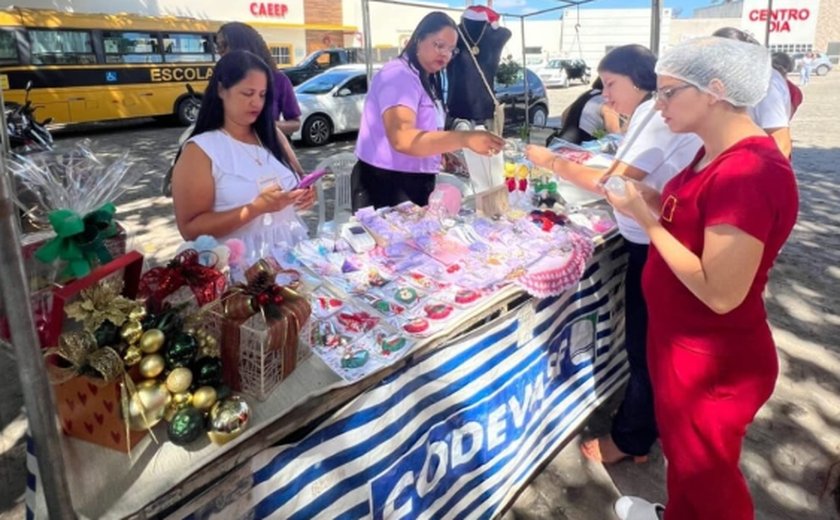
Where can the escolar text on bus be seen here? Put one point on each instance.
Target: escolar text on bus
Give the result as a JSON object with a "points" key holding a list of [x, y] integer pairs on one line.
{"points": [[181, 74]]}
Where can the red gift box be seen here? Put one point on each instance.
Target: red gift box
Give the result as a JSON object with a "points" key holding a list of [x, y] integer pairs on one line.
{"points": [[130, 265], [43, 295]]}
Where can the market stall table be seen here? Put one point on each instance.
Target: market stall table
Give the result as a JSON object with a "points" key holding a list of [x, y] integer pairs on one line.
{"points": [[526, 374]]}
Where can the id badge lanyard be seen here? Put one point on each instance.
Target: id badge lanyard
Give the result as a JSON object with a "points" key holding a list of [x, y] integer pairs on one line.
{"points": [[440, 114]]}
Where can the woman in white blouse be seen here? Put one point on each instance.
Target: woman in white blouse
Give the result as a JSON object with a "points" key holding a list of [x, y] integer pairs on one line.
{"points": [[233, 178]]}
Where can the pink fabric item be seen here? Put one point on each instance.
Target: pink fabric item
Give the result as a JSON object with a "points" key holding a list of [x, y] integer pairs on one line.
{"points": [[451, 198]]}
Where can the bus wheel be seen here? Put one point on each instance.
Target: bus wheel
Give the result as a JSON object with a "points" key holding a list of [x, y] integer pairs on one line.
{"points": [[187, 111]]}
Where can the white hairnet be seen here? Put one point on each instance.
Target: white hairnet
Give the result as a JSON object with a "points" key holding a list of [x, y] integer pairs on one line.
{"points": [[743, 69]]}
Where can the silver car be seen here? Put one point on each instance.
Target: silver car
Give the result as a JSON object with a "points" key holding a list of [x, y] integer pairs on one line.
{"points": [[331, 103]]}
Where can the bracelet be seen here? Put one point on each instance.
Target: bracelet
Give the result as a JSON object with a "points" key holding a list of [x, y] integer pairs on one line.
{"points": [[552, 166]]}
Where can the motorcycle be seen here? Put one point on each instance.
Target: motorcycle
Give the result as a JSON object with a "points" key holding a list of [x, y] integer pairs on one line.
{"points": [[26, 134], [166, 187]]}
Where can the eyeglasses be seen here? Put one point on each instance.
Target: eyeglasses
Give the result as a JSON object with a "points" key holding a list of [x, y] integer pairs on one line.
{"points": [[665, 94], [444, 50]]}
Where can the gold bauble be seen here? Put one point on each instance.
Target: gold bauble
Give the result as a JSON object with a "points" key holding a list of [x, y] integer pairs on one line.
{"points": [[179, 380], [211, 348], [178, 402], [204, 398], [151, 341], [228, 419], [131, 331], [153, 397], [132, 356], [138, 313], [152, 366]]}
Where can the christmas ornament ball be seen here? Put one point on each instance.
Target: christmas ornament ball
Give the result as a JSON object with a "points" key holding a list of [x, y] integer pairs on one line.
{"points": [[133, 355], [178, 402], [207, 372], [181, 351], [204, 398], [179, 380], [152, 340], [186, 426], [107, 334], [131, 331], [150, 401], [228, 419], [152, 366]]}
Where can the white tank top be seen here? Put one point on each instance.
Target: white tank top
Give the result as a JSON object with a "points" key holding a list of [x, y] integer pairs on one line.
{"points": [[239, 179]]}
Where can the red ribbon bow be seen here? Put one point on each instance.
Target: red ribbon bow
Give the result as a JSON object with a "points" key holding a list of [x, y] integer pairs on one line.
{"points": [[206, 283]]}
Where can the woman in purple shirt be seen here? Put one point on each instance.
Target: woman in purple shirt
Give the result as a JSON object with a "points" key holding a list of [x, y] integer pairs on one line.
{"points": [[237, 36], [401, 139]]}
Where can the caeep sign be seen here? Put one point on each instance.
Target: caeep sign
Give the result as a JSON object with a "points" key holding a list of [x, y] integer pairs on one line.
{"points": [[269, 10], [780, 19]]}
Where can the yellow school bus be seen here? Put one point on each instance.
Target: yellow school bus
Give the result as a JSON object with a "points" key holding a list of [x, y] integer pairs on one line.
{"points": [[98, 67]]}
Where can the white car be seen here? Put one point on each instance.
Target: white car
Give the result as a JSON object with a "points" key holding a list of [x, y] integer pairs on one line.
{"points": [[554, 74], [331, 103]]}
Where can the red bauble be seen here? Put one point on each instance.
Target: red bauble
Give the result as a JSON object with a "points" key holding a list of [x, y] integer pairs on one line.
{"points": [[262, 299], [277, 299]]}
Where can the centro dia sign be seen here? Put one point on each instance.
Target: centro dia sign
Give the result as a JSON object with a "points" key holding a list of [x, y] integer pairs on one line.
{"points": [[780, 19]]}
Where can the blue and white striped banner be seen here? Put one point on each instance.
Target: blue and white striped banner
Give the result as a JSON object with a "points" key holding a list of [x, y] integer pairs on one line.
{"points": [[456, 432]]}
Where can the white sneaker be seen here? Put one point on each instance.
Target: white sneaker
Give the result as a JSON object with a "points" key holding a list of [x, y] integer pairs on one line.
{"points": [[635, 508]]}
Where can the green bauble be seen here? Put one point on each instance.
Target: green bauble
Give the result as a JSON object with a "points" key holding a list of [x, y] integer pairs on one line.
{"points": [[186, 426], [149, 321], [207, 372], [107, 335], [223, 392], [181, 351]]}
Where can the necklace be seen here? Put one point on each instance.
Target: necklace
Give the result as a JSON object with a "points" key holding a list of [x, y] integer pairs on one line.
{"points": [[247, 150], [474, 43]]}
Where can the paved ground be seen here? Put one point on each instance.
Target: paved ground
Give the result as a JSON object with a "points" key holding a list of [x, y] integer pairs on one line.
{"points": [[788, 450]]}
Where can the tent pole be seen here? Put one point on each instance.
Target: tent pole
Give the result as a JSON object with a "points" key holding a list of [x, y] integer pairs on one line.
{"points": [[525, 79], [655, 25], [37, 392], [366, 31], [769, 21]]}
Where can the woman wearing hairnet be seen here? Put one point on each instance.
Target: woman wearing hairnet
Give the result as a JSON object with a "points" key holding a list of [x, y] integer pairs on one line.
{"points": [[652, 154], [715, 231]]}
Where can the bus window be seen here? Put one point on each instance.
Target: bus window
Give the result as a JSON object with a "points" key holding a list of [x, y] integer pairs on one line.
{"points": [[187, 48], [61, 48], [131, 47], [8, 48]]}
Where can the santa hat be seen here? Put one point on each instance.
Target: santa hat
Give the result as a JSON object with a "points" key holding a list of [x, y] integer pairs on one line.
{"points": [[480, 13]]}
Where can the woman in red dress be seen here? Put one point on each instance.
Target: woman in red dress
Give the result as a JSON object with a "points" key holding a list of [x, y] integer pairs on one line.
{"points": [[715, 231]]}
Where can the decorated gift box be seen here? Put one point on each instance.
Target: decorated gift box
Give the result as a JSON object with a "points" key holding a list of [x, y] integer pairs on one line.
{"points": [[259, 324], [188, 280]]}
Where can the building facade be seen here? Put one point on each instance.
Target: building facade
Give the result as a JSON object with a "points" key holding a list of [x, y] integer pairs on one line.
{"points": [[292, 28], [796, 26]]}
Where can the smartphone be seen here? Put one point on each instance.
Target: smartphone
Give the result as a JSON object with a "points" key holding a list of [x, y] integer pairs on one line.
{"points": [[311, 179]]}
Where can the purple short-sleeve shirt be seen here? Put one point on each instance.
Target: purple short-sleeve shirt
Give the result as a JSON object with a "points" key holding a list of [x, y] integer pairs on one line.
{"points": [[396, 85], [285, 101]]}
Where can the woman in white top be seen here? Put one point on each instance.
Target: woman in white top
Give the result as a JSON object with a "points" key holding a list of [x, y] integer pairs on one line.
{"points": [[651, 154], [233, 178]]}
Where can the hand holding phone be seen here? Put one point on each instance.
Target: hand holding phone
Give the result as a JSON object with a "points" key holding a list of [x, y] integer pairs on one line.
{"points": [[311, 179]]}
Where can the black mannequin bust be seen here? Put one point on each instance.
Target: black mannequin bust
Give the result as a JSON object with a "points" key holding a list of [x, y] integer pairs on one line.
{"points": [[467, 96]]}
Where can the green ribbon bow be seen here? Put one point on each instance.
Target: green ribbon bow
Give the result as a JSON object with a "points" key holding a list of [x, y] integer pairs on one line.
{"points": [[550, 186], [80, 241]]}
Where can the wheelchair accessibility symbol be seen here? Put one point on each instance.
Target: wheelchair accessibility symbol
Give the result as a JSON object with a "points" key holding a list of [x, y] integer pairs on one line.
{"points": [[111, 76]]}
